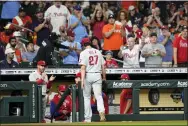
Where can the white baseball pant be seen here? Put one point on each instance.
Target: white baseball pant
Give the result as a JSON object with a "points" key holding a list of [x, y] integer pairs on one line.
{"points": [[93, 80]]}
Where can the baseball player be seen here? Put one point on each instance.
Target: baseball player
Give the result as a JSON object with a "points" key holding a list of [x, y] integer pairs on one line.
{"points": [[126, 98], [78, 78], [64, 111], [41, 79], [92, 64]]}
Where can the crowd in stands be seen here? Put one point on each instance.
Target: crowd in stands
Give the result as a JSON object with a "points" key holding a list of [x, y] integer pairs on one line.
{"points": [[138, 33]]}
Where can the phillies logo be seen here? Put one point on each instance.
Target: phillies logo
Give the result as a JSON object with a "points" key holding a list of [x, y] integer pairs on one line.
{"points": [[127, 55]]}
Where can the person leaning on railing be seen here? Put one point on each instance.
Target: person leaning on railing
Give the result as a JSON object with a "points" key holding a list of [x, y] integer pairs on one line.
{"points": [[126, 98]]}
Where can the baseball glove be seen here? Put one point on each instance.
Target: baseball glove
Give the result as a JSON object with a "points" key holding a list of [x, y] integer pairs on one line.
{"points": [[104, 86]]}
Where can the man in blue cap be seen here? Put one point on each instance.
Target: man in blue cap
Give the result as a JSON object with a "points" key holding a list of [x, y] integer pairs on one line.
{"points": [[78, 23]]}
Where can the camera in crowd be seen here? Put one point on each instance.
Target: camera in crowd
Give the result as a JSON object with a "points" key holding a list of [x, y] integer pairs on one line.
{"points": [[54, 39]]}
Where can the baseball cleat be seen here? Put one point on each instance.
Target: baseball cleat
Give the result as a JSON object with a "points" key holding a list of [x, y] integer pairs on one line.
{"points": [[102, 117]]}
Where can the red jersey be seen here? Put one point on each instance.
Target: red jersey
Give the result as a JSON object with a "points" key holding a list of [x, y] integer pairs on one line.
{"points": [[182, 49], [66, 104], [111, 64], [124, 96]]}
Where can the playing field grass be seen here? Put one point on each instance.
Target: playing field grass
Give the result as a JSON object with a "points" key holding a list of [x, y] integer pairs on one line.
{"points": [[126, 123]]}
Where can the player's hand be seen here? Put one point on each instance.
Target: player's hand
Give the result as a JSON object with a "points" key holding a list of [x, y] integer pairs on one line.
{"points": [[82, 84], [65, 112], [52, 78]]}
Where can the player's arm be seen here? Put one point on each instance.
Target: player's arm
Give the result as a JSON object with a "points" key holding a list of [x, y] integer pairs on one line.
{"points": [[103, 72], [83, 72], [128, 106], [32, 77], [103, 68], [82, 63]]}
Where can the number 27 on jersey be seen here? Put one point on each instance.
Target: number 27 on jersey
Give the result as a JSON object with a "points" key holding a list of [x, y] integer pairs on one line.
{"points": [[93, 60]]}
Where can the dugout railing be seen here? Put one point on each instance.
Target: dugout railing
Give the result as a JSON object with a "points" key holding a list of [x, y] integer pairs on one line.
{"points": [[29, 102], [136, 85], [32, 101]]}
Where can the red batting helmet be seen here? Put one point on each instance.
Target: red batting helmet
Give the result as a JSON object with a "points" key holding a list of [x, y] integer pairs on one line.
{"points": [[125, 76], [62, 87], [78, 74], [85, 40], [41, 63]]}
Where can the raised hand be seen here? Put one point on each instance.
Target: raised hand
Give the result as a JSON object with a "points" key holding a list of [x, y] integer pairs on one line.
{"points": [[52, 78]]}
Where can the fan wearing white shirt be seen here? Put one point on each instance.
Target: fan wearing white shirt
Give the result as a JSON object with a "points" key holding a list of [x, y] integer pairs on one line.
{"points": [[130, 54], [58, 15]]}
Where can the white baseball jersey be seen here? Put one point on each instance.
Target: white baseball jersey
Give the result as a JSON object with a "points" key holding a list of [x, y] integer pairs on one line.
{"points": [[131, 57], [35, 75], [58, 17], [92, 59]]}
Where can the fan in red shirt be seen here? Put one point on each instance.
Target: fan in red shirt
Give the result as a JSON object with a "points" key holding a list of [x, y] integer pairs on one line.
{"points": [[5, 35], [126, 98], [64, 111], [180, 47], [21, 20], [110, 63]]}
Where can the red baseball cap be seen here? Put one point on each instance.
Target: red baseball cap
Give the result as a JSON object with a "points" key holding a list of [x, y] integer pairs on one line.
{"points": [[41, 63], [125, 76], [78, 74], [70, 33], [62, 87], [85, 40]]}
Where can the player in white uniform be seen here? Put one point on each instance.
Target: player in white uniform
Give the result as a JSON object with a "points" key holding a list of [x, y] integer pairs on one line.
{"points": [[92, 64], [40, 77]]}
